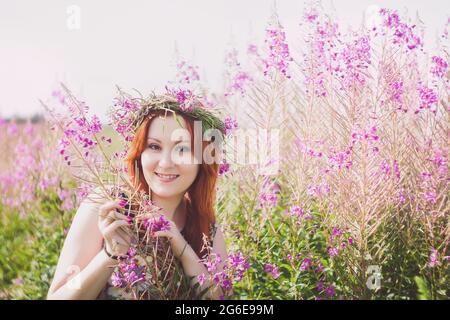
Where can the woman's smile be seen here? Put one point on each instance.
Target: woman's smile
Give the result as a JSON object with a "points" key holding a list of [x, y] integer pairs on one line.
{"points": [[166, 178]]}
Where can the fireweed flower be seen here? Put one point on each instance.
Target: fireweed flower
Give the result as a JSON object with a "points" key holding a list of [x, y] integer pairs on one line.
{"points": [[268, 196], [333, 251], [319, 267], [224, 168], [184, 97], [322, 58], [238, 264], [355, 59], [156, 224], [402, 33], [268, 200], [434, 258], [120, 117], [186, 73], [230, 125], [128, 274], [299, 213], [201, 278], [341, 159], [237, 78], [329, 291], [66, 198], [302, 147], [439, 68], [428, 99], [439, 161], [306, 264], [273, 270], [278, 55], [319, 190]]}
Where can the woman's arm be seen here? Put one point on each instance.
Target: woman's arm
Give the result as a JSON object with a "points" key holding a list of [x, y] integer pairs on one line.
{"points": [[192, 266], [83, 268]]}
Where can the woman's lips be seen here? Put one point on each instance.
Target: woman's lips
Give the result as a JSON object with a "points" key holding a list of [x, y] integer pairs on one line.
{"points": [[166, 177]]}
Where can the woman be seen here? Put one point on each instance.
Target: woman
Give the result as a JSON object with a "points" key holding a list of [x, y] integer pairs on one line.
{"points": [[164, 169]]}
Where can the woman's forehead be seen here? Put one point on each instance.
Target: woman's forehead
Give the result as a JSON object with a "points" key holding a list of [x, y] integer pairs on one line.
{"points": [[163, 127]]}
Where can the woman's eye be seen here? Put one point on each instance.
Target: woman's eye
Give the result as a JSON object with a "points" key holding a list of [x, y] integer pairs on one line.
{"points": [[154, 146], [183, 149]]}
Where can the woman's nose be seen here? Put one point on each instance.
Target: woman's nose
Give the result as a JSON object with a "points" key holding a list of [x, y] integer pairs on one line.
{"points": [[166, 160]]}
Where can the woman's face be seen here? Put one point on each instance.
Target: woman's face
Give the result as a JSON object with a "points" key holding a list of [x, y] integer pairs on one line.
{"points": [[167, 163]]}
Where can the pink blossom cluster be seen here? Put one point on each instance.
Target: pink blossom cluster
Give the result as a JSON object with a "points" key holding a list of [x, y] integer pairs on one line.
{"points": [[304, 148], [338, 241], [186, 73], [233, 270], [389, 169], [427, 99], [231, 125], [402, 33], [129, 274], [78, 128], [269, 194], [324, 56], [439, 67], [272, 269], [355, 59], [121, 117], [318, 190], [156, 224], [237, 78], [278, 56], [185, 98], [300, 213], [34, 170]]}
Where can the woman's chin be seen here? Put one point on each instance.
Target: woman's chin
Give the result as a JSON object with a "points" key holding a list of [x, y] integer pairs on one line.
{"points": [[163, 191]]}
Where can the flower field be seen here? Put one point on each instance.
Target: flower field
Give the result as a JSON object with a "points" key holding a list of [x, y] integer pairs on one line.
{"points": [[348, 197]]}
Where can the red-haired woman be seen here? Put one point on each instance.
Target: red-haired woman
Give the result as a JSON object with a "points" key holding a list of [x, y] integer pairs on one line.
{"points": [[182, 187]]}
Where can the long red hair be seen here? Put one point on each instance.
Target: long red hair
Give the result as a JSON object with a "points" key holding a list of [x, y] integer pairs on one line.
{"points": [[199, 197]]}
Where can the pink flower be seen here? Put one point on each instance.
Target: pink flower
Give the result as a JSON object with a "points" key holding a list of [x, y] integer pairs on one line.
{"points": [[402, 33], [156, 224], [439, 68], [434, 258], [269, 268], [230, 125], [332, 252], [306, 264], [186, 73], [224, 168], [12, 129], [428, 99], [278, 57], [201, 278], [329, 291]]}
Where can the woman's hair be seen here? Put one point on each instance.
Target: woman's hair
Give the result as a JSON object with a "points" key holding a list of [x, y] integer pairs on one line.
{"points": [[200, 195]]}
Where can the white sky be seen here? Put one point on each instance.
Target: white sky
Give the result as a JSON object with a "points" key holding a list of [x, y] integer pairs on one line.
{"points": [[132, 43]]}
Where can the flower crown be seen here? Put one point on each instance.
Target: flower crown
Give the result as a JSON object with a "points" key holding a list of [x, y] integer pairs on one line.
{"points": [[128, 113]]}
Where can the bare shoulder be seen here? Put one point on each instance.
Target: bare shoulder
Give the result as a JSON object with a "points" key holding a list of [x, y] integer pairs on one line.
{"points": [[219, 239], [83, 241]]}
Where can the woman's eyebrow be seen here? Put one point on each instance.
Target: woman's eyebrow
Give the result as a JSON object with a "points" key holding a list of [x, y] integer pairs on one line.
{"points": [[159, 141]]}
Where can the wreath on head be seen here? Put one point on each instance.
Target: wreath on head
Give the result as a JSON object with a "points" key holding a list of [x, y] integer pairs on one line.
{"points": [[128, 113]]}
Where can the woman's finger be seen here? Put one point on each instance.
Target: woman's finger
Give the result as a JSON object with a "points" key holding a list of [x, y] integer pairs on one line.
{"points": [[119, 241], [107, 207], [113, 226], [124, 235], [163, 234]]}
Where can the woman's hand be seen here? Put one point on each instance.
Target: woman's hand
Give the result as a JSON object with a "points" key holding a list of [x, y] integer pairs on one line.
{"points": [[113, 226], [175, 237]]}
